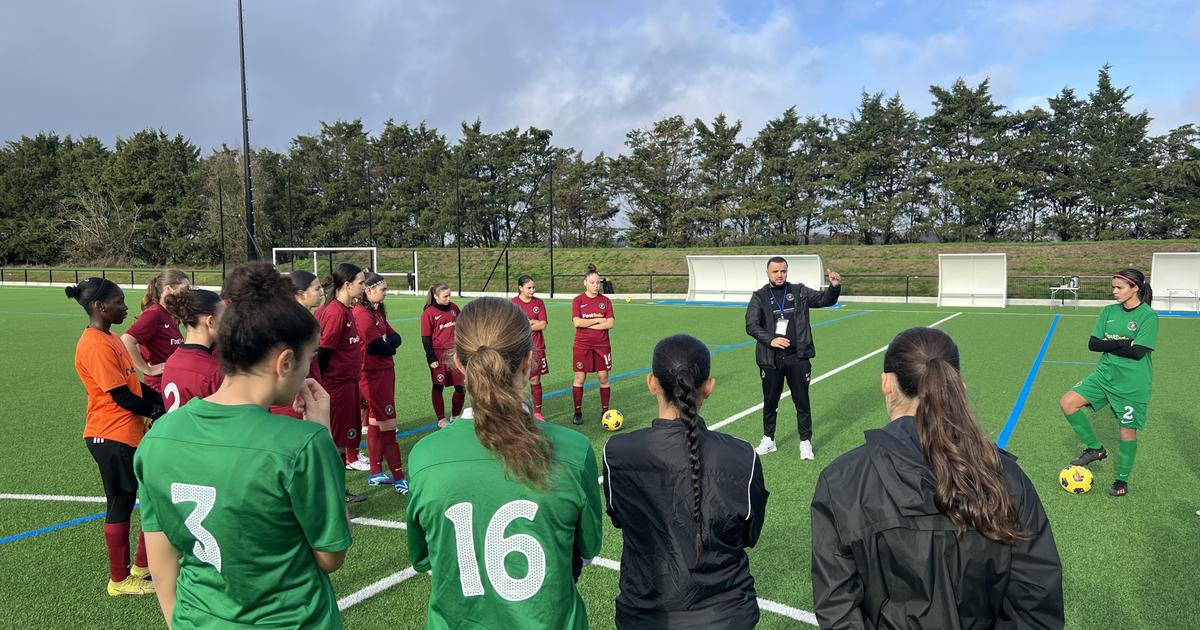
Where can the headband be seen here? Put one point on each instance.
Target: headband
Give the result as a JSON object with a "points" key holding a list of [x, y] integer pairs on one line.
{"points": [[1128, 279]]}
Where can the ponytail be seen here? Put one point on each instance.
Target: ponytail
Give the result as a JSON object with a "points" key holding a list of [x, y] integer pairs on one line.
{"points": [[169, 277], [969, 477], [492, 340], [187, 307], [433, 291], [681, 364], [1137, 279]]}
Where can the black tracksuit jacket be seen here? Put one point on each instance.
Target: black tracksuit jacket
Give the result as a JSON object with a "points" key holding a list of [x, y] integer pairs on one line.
{"points": [[761, 314], [884, 556], [648, 486]]}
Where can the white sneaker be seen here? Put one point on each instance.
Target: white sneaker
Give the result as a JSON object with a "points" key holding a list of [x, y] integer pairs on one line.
{"points": [[358, 466], [362, 459], [805, 449], [767, 445]]}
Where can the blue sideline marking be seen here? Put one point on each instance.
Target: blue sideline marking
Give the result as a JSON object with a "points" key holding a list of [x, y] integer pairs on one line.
{"points": [[1015, 415], [591, 384], [1178, 314], [44, 530]]}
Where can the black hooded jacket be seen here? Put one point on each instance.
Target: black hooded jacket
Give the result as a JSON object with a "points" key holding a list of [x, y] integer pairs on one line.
{"points": [[884, 556], [648, 486], [795, 299]]}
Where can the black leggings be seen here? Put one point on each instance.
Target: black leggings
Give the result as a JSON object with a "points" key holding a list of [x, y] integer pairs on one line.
{"points": [[115, 460]]}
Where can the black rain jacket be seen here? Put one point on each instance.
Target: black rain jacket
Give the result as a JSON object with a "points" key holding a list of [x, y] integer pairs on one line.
{"points": [[883, 556], [648, 486], [763, 311]]}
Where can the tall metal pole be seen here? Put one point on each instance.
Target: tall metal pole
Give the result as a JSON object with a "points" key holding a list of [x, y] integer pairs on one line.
{"points": [[221, 219], [370, 220], [552, 227], [458, 235], [251, 253]]}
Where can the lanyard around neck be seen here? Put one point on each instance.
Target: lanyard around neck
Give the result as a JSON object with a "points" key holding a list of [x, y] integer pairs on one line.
{"points": [[780, 303]]}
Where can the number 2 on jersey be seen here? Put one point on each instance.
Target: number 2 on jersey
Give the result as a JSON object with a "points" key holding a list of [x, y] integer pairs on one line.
{"points": [[171, 393], [206, 548], [495, 549]]}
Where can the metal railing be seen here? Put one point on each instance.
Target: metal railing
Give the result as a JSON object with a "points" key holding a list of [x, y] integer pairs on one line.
{"points": [[627, 283], [135, 277]]}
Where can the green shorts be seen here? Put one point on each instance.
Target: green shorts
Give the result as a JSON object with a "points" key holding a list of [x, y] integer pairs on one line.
{"points": [[1129, 414]]}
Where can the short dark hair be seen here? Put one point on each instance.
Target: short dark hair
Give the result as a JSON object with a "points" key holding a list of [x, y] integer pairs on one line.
{"points": [[91, 291], [524, 279], [776, 259], [262, 315]]}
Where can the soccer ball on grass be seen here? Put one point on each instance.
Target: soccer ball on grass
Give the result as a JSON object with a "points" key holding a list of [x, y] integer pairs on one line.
{"points": [[1075, 479], [612, 420]]}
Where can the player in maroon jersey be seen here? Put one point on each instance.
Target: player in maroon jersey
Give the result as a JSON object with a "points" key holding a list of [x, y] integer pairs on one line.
{"points": [[340, 356], [155, 336], [193, 371], [592, 314], [378, 383], [437, 335], [309, 294], [535, 312]]}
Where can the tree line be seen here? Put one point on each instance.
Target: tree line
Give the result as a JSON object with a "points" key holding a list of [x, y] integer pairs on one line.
{"points": [[1081, 168]]}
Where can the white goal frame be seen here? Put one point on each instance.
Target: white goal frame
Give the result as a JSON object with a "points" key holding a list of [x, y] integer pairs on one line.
{"points": [[973, 280], [374, 251], [1175, 276], [736, 278]]}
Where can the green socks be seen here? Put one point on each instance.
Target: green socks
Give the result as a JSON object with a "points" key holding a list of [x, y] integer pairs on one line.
{"points": [[1083, 428], [1125, 454]]}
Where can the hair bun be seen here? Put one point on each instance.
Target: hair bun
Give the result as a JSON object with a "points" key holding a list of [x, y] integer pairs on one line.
{"points": [[73, 292], [257, 283]]}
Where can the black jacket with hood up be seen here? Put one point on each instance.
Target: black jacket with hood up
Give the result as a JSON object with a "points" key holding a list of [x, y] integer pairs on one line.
{"points": [[884, 556], [648, 486], [763, 311]]}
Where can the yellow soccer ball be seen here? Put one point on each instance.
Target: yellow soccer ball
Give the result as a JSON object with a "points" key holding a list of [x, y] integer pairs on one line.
{"points": [[612, 420], [1075, 479], [628, 300]]}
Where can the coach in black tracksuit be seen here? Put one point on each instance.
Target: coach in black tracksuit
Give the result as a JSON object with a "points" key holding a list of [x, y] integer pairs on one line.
{"points": [[777, 317]]}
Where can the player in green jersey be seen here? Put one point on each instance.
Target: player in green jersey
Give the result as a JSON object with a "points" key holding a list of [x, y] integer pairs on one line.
{"points": [[502, 508], [1126, 333], [242, 508]]}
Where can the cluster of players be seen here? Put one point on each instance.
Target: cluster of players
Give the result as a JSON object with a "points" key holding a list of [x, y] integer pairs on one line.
{"points": [[243, 508]]}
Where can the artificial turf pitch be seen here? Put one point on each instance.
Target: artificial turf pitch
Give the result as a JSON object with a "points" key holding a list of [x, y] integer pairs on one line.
{"points": [[1128, 562]]}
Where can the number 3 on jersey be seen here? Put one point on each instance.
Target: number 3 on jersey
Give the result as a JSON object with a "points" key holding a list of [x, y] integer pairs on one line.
{"points": [[495, 549], [206, 548]]}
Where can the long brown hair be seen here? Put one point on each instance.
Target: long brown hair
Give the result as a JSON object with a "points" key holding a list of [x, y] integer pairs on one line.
{"points": [[169, 277], [491, 339], [681, 364], [433, 291], [969, 478]]}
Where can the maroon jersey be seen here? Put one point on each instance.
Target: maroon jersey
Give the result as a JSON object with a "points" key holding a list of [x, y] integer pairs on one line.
{"points": [[158, 335], [439, 325], [372, 325], [339, 334], [535, 309], [192, 372], [599, 307]]}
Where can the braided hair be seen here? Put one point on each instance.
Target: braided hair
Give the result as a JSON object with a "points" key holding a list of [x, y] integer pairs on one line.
{"points": [[681, 365]]}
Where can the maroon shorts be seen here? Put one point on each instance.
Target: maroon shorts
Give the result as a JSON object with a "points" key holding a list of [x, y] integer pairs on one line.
{"points": [[378, 389], [445, 373], [539, 366], [344, 404], [592, 359]]}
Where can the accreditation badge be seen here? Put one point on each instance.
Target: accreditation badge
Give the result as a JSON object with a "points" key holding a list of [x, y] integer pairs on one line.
{"points": [[781, 327]]}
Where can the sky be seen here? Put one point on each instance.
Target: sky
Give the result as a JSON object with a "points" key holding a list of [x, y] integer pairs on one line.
{"points": [[589, 70]]}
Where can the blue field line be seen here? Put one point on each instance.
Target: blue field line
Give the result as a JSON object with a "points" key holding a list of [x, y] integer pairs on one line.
{"points": [[51, 528], [1048, 362], [1183, 314], [592, 384], [1015, 414]]}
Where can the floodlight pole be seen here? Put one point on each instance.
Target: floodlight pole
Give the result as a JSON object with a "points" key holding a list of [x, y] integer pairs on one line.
{"points": [[251, 253], [458, 211], [551, 227], [221, 220]]}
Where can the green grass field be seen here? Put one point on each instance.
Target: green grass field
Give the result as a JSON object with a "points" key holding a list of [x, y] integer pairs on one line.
{"points": [[1129, 562]]}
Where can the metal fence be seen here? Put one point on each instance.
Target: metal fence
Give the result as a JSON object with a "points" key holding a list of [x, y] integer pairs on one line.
{"points": [[134, 277]]}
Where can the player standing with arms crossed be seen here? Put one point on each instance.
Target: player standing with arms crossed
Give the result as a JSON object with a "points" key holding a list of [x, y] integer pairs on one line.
{"points": [[437, 337], [115, 425], [340, 356], [242, 528], [777, 316], [522, 492], [193, 371], [378, 383], [1126, 334], [592, 314], [683, 563], [154, 337], [535, 310]]}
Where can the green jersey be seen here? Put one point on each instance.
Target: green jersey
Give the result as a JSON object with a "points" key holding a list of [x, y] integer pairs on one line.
{"points": [[1128, 378], [245, 496], [501, 552]]}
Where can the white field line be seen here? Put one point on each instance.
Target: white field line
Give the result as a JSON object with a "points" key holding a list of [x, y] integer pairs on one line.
{"points": [[375, 522], [361, 595], [53, 497]]}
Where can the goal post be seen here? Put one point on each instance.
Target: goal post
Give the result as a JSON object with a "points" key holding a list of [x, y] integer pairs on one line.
{"points": [[1175, 278], [736, 278], [973, 280], [325, 258]]}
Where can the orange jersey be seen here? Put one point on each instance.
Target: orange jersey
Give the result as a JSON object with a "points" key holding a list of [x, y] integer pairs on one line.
{"points": [[103, 365]]}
